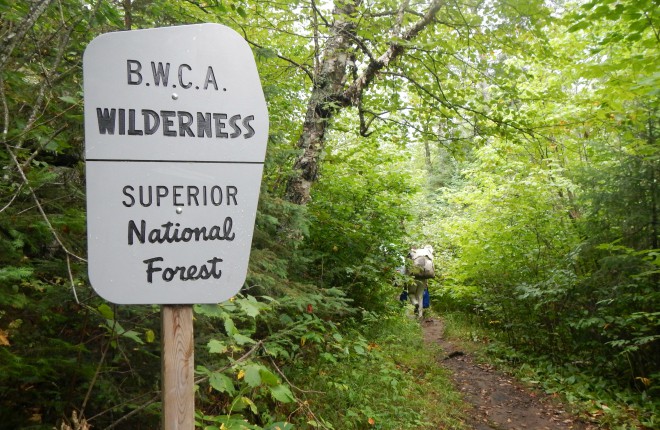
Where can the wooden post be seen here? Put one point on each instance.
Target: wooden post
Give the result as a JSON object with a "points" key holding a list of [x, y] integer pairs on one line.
{"points": [[178, 367]]}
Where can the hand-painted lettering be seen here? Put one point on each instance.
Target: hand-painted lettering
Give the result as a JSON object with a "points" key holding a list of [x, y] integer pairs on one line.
{"points": [[187, 77], [183, 273], [180, 195], [133, 68], [174, 123], [171, 232]]}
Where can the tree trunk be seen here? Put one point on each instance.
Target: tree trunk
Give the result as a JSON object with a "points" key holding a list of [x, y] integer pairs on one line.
{"points": [[128, 15], [328, 88], [331, 92]]}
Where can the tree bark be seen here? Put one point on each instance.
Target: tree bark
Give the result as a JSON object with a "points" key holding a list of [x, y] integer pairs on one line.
{"points": [[13, 38], [128, 14], [324, 102], [331, 92]]}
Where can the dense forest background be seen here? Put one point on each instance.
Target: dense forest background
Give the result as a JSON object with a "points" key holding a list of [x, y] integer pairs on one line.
{"points": [[519, 138]]}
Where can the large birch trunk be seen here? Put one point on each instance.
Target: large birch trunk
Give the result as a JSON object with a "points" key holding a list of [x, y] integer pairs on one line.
{"points": [[325, 100], [331, 90]]}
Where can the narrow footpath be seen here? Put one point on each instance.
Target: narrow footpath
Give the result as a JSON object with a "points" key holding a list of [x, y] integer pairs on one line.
{"points": [[498, 401]]}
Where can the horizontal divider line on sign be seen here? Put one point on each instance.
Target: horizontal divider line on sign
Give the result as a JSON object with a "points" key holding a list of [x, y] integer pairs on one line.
{"points": [[172, 161]]}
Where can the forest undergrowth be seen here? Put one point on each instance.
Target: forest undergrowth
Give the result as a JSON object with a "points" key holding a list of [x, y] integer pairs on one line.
{"points": [[391, 380], [589, 396], [518, 138]]}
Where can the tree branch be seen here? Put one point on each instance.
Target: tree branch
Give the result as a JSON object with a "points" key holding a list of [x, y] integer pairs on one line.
{"points": [[243, 357], [40, 208], [288, 60], [393, 12], [357, 88], [14, 38]]}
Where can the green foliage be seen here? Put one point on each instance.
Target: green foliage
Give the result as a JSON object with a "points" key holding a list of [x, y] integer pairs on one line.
{"points": [[520, 141], [358, 213], [586, 393], [243, 386], [550, 239], [377, 374]]}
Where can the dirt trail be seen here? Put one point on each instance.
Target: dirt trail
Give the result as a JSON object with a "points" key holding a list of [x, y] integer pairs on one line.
{"points": [[498, 401]]}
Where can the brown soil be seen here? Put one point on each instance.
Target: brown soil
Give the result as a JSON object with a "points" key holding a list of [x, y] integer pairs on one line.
{"points": [[497, 401]]}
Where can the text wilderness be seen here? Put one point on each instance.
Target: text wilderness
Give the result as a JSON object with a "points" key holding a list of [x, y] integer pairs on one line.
{"points": [[173, 123]]}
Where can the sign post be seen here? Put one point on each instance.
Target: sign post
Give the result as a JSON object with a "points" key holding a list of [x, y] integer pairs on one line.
{"points": [[176, 128], [177, 367]]}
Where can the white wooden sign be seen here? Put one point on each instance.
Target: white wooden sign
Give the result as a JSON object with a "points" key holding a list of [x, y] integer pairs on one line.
{"points": [[176, 128]]}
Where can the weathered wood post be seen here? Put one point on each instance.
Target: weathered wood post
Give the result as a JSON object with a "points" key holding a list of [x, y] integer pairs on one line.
{"points": [[178, 367]]}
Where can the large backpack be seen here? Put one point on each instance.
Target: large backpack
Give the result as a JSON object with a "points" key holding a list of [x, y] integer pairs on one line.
{"points": [[421, 266]]}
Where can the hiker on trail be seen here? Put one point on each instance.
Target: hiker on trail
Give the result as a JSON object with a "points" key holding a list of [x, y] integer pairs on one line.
{"points": [[420, 266]]}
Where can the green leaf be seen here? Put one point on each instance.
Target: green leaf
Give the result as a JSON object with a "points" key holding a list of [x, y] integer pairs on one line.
{"points": [[216, 347], [252, 375], [250, 403], [580, 25], [15, 273], [222, 383], [328, 357], [282, 393], [230, 327], [149, 336], [106, 311], [276, 351], [268, 377], [250, 306], [133, 335], [69, 99], [213, 311], [235, 422], [281, 425], [242, 339]]}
